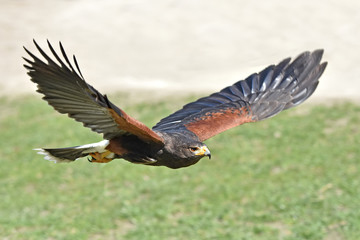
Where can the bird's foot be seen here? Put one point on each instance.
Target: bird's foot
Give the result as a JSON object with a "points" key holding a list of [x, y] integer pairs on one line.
{"points": [[100, 157]]}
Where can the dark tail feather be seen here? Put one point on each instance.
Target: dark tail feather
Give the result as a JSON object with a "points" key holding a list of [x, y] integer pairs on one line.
{"points": [[71, 153], [62, 154]]}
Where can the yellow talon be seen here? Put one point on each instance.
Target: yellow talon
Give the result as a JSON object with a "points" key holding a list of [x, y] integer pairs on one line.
{"points": [[100, 157]]}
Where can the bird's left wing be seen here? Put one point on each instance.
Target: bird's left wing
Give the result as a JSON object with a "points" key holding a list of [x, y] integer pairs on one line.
{"points": [[65, 89], [260, 96]]}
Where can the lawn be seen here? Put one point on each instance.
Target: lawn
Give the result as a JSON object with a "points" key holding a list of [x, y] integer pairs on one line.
{"points": [[295, 176]]}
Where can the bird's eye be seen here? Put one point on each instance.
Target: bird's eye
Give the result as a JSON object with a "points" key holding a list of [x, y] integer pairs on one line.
{"points": [[193, 149]]}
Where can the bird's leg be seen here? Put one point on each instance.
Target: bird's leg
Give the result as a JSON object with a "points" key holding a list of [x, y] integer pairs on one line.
{"points": [[100, 157]]}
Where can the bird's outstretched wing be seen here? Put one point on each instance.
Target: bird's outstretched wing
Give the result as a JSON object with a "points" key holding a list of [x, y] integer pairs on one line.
{"points": [[65, 89], [260, 96]]}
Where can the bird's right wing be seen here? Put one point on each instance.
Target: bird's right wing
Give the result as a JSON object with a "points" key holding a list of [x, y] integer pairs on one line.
{"points": [[65, 89]]}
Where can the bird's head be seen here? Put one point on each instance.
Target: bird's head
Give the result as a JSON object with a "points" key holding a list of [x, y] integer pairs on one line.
{"points": [[181, 151], [197, 150], [190, 153]]}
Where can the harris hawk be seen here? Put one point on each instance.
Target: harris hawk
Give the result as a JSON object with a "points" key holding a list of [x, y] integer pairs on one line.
{"points": [[177, 140]]}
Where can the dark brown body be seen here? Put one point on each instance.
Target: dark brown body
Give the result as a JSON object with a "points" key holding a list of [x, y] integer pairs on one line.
{"points": [[135, 150]]}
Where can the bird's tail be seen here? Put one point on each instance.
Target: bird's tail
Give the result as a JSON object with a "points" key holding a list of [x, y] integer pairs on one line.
{"points": [[70, 154]]}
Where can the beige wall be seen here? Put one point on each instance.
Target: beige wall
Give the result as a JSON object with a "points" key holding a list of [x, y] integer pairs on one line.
{"points": [[167, 45]]}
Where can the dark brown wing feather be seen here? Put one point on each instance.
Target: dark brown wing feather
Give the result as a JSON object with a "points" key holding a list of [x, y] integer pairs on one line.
{"points": [[260, 96], [65, 89]]}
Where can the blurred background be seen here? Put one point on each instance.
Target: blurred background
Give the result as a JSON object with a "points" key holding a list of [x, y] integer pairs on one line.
{"points": [[182, 45]]}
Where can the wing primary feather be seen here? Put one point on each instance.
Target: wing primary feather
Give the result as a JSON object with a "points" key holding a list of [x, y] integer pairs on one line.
{"points": [[67, 59], [36, 59], [235, 90], [50, 61], [252, 83], [27, 66], [280, 67], [77, 66], [63, 65], [243, 87], [266, 75], [107, 101]]}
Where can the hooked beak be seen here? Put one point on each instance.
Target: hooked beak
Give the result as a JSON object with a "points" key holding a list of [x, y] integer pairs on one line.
{"points": [[204, 151]]}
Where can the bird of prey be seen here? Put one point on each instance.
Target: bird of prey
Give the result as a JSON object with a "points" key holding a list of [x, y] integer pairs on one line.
{"points": [[177, 140]]}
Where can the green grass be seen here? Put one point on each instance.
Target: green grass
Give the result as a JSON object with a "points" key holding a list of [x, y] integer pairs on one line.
{"points": [[295, 176]]}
